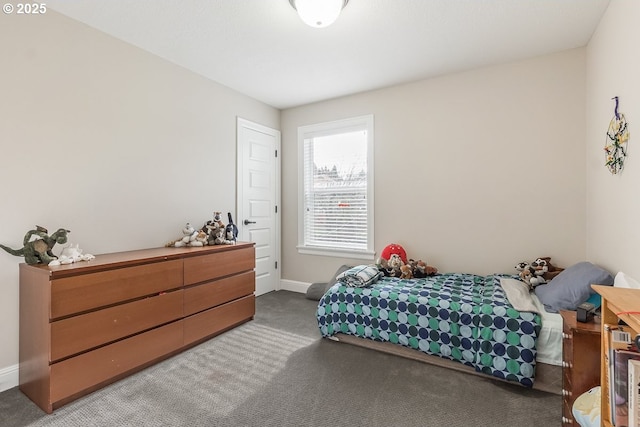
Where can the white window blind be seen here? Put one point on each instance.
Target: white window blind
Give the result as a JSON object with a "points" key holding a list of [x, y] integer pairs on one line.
{"points": [[336, 164]]}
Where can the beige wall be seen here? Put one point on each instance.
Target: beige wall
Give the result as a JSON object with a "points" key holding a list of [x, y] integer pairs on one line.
{"points": [[474, 171], [613, 201], [115, 144]]}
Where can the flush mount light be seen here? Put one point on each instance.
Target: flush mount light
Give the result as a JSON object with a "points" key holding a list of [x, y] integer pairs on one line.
{"points": [[318, 13]]}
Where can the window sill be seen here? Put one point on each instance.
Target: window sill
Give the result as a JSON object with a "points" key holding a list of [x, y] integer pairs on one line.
{"points": [[334, 252]]}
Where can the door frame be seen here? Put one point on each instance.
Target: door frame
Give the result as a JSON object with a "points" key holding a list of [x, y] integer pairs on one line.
{"points": [[241, 122]]}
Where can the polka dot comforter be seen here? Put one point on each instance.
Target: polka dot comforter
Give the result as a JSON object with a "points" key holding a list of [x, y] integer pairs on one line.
{"points": [[461, 317]]}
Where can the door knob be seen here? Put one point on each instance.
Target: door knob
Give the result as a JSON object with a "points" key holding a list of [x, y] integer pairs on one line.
{"points": [[247, 222]]}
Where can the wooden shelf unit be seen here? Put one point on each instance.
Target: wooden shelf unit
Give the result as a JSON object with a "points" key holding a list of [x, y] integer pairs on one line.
{"points": [[616, 304], [580, 360], [88, 324]]}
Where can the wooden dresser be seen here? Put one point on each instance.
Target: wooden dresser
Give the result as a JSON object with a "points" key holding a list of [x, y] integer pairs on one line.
{"points": [[617, 304], [87, 324], [580, 360]]}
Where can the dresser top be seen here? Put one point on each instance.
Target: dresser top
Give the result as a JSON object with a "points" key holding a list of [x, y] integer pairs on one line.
{"points": [[130, 258]]}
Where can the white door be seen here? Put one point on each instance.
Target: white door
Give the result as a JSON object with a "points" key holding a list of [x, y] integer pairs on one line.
{"points": [[258, 199]]}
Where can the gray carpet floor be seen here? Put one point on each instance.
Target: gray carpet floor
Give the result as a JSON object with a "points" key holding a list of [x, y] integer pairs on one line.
{"points": [[277, 371]]}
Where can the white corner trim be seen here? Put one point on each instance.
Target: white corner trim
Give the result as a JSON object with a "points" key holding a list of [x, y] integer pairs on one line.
{"points": [[8, 378], [293, 286]]}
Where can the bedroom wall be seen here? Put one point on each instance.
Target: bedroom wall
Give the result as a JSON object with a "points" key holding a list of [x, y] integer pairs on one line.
{"points": [[473, 171], [613, 202], [102, 138]]}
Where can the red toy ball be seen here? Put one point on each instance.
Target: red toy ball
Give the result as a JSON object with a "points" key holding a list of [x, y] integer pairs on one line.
{"points": [[394, 249]]}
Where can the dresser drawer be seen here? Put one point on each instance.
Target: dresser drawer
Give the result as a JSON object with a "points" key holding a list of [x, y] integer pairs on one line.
{"points": [[211, 294], [80, 333], [218, 319], [88, 291], [97, 367], [203, 268]]}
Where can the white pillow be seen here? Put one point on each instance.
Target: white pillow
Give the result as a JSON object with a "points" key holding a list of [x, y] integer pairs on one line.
{"points": [[623, 281]]}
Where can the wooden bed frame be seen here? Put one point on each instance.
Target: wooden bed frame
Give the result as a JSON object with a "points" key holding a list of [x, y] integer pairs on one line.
{"points": [[548, 377]]}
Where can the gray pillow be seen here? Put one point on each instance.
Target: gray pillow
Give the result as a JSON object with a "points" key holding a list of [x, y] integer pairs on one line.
{"points": [[317, 289], [572, 286]]}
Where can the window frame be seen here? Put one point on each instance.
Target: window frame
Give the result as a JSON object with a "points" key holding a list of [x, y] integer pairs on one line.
{"points": [[365, 122]]}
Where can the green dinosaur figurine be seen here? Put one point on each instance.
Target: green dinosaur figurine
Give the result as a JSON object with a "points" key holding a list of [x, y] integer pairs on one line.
{"points": [[39, 250]]}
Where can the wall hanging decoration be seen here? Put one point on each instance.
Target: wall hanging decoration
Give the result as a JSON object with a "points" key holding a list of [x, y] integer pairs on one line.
{"points": [[616, 146]]}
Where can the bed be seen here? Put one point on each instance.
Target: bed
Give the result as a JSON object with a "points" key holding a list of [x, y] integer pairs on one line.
{"points": [[463, 318]]}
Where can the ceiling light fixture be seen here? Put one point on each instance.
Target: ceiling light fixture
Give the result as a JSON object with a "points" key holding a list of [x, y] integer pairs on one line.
{"points": [[318, 13]]}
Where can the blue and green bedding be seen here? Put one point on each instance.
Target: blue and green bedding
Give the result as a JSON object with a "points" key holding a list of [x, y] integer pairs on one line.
{"points": [[461, 317]]}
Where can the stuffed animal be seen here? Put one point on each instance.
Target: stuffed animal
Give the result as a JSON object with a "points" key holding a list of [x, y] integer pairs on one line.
{"points": [[521, 265], [200, 240], [217, 219], [536, 279], [211, 226], [231, 230], [71, 254], [191, 237], [394, 249], [420, 268], [552, 271], [218, 233], [406, 272], [540, 268], [393, 262], [390, 267], [538, 272], [220, 238], [37, 245], [526, 273]]}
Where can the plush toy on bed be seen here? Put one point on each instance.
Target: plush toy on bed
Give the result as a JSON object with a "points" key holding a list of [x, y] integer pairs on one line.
{"points": [[537, 272], [406, 272], [420, 269], [393, 262], [551, 270], [391, 267], [528, 275], [392, 249]]}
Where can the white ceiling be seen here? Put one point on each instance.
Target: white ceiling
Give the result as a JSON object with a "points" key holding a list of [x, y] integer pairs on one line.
{"points": [[262, 49]]}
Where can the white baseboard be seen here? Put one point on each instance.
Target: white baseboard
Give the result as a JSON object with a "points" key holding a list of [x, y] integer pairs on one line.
{"points": [[293, 286], [8, 377]]}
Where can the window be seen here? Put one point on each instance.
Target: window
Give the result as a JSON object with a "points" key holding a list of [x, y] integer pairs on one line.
{"points": [[335, 215]]}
